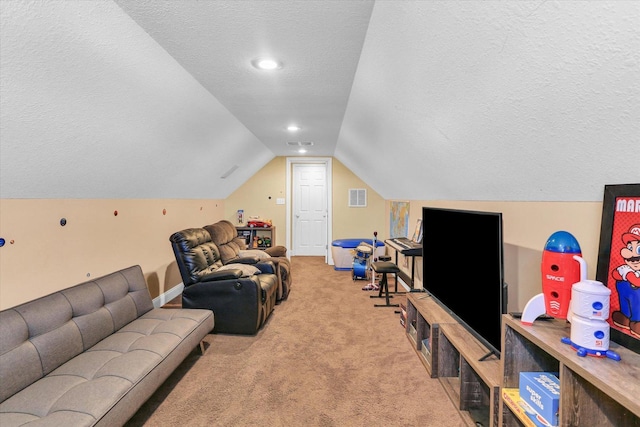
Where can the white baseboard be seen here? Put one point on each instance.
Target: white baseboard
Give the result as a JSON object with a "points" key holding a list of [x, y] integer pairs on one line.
{"points": [[403, 284], [168, 296]]}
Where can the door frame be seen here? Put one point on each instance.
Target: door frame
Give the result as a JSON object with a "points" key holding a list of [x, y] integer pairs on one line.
{"points": [[327, 162]]}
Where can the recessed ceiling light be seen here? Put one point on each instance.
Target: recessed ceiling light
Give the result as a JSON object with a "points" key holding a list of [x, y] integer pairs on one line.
{"points": [[293, 128], [302, 151], [266, 64]]}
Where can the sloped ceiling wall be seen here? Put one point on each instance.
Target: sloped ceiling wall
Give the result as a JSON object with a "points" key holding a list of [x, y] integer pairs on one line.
{"points": [[477, 100], [92, 107], [470, 100]]}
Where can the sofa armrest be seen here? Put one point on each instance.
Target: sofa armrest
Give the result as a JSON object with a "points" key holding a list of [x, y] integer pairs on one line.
{"points": [[277, 251]]}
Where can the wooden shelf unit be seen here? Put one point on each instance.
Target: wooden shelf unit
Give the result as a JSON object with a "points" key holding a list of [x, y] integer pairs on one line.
{"points": [[249, 233], [473, 386], [471, 383], [593, 391], [424, 317]]}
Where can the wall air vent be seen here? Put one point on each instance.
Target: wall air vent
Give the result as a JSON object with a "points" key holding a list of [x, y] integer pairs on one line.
{"points": [[357, 197]]}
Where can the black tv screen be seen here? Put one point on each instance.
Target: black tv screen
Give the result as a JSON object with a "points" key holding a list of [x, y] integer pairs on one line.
{"points": [[463, 269]]}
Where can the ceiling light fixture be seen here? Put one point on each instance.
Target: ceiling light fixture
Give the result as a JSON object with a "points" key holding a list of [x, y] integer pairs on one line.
{"points": [[293, 128], [302, 151], [266, 64]]}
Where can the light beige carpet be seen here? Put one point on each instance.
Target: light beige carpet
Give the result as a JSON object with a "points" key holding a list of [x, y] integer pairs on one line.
{"points": [[326, 357]]}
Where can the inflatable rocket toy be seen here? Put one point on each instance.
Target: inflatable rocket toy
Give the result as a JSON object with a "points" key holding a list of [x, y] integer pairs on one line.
{"points": [[559, 272]]}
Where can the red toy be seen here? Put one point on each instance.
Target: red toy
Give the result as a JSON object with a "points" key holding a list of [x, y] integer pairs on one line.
{"points": [[258, 223], [559, 272]]}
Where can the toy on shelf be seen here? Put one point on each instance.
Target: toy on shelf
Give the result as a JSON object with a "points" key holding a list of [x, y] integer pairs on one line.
{"points": [[559, 273], [588, 314], [256, 221]]}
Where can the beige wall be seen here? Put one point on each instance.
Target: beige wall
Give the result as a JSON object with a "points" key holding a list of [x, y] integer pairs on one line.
{"points": [[258, 197], [526, 228], [355, 222], [40, 256]]}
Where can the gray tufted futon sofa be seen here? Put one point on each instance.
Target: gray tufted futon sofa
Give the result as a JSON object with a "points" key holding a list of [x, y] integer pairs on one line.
{"points": [[91, 354]]}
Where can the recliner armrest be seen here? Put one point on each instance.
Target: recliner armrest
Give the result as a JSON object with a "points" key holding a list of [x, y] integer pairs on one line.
{"points": [[221, 275], [249, 259]]}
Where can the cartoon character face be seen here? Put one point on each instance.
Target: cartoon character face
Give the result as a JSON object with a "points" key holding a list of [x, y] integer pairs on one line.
{"points": [[631, 250], [631, 254]]}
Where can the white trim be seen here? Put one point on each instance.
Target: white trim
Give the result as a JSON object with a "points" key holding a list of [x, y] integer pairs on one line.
{"points": [[406, 287], [327, 162], [172, 293]]}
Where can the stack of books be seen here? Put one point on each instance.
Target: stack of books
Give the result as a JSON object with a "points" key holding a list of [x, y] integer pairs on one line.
{"points": [[536, 401]]}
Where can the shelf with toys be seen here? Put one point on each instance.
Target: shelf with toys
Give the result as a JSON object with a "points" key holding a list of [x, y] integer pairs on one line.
{"points": [[561, 341], [593, 390], [258, 233]]}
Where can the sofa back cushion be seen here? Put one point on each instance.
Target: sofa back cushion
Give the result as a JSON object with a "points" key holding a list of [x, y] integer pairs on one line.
{"points": [[196, 255], [38, 336], [225, 236]]}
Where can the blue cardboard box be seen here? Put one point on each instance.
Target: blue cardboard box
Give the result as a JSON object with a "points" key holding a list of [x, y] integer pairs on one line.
{"points": [[541, 390]]}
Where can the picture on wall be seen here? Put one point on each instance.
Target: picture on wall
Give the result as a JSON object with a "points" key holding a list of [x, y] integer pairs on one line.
{"points": [[417, 231], [398, 219], [619, 261]]}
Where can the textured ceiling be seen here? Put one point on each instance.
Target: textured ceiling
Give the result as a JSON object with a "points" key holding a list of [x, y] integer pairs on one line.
{"points": [[422, 100], [318, 42]]}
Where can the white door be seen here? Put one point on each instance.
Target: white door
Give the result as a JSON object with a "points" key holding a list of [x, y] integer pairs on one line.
{"points": [[310, 209]]}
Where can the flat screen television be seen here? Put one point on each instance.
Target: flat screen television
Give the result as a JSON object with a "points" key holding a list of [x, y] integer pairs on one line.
{"points": [[463, 269]]}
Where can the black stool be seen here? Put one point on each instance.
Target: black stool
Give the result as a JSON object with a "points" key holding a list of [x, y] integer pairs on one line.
{"points": [[384, 267], [388, 258]]}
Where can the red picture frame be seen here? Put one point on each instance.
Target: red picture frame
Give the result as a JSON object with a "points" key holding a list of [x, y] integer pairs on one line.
{"points": [[620, 225]]}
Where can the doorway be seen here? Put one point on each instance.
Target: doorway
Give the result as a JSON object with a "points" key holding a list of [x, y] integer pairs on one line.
{"points": [[308, 207]]}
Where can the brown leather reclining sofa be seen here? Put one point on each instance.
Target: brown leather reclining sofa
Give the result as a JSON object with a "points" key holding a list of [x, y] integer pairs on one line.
{"points": [[232, 247], [241, 294]]}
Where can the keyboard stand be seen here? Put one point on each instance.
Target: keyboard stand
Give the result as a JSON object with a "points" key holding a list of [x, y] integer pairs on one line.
{"points": [[411, 253]]}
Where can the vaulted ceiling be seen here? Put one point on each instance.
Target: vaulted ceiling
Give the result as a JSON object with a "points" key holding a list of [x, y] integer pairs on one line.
{"points": [[318, 44], [470, 100]]}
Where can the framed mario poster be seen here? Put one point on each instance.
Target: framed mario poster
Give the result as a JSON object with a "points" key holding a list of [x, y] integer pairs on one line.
{"points": [[619, 261]]}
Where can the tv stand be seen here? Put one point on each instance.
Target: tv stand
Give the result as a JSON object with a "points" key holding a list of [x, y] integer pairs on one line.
{"points": [[469, 377], [450, 353]]}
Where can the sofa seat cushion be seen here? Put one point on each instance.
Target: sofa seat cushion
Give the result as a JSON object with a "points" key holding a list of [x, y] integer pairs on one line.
{"points": [[81, 391]]}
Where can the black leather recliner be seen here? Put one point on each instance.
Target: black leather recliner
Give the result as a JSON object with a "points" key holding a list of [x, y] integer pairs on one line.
{"points": [[241, 296]]}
